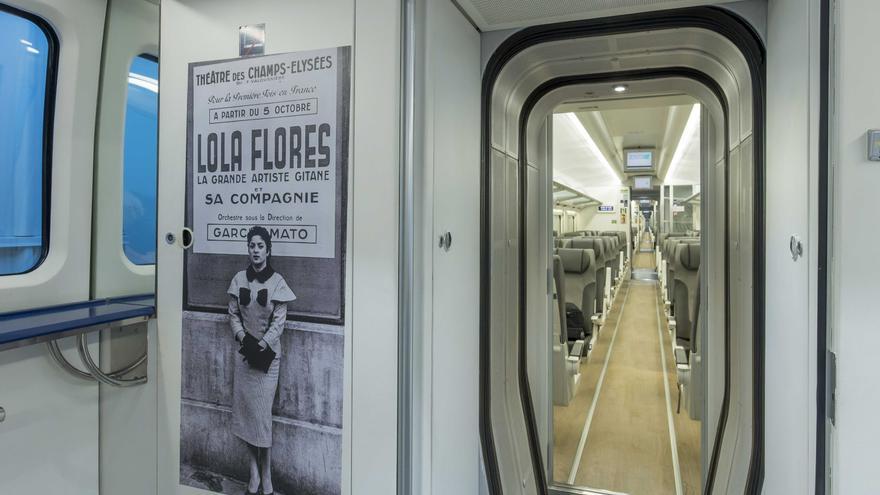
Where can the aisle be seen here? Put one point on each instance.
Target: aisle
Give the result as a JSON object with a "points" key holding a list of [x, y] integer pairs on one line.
{"points": [[627, 448], [622, 441]]}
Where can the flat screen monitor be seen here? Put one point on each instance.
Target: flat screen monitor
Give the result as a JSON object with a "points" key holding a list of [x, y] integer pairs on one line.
{"points": [[639, 159], [643, 182]]}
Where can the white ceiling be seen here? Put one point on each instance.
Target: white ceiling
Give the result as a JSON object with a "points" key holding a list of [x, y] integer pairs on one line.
{"points": [[588, 145], [491, 15], [636, 127], [576, 163]]}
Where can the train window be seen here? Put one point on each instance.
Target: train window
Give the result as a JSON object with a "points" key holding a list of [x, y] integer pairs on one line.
{"points": [[139, 165], [27, 66]]}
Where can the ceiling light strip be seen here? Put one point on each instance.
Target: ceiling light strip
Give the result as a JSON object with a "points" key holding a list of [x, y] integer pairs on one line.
{"points": [[690, 130], [580, 129]]}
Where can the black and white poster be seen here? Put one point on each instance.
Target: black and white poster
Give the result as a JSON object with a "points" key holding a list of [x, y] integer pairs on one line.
{"points": [[264, 280]]}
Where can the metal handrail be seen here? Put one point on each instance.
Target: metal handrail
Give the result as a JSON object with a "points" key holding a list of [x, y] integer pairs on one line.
{"points": [[99, 375], [113, 378], [61, 361]]}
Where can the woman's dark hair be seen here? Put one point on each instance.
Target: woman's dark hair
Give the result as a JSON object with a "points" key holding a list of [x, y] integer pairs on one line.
{"points": [[257, 230]]}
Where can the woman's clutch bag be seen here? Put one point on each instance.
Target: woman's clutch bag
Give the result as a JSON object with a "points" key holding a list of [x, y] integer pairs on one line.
{"points": [[257, 358]]}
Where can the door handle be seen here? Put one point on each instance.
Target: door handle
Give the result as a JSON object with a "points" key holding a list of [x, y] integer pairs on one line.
{"points": [[446, 241], [796, 247]]}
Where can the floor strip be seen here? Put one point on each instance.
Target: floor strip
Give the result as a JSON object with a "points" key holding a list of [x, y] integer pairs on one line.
{"points": [[672, 441], [583, 441]]}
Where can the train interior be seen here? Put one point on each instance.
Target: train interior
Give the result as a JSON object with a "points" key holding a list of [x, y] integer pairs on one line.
{"points": [[580, 248], [626, 366]]}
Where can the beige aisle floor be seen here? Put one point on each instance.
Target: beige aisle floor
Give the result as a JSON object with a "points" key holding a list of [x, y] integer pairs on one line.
{"points": [[627, 448]]}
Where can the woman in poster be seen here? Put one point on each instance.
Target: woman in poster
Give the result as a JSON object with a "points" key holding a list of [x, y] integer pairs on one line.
{"points": [[257, 313]]}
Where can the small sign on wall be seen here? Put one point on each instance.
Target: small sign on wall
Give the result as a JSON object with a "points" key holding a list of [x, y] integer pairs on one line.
{"points": [[606, 208], [252, 40]]}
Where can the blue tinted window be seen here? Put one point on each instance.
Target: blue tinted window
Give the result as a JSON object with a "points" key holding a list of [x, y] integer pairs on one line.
{"points": [[139, 172], [24, 70]]}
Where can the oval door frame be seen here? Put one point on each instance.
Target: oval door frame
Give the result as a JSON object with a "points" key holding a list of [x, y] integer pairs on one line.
{"points": [[742, 35]]}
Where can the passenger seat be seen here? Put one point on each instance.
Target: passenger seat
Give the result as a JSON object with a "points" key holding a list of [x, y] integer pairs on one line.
{"points": [[566, 368], [600, 255], [579, 267], [686, 263]]}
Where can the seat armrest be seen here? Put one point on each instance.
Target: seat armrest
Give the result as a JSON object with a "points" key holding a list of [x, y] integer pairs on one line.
{"points": [[681, 356], [577, 350]]}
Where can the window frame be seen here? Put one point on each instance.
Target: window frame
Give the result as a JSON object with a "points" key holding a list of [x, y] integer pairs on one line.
{"points": [[48, 126], [126, 260]]}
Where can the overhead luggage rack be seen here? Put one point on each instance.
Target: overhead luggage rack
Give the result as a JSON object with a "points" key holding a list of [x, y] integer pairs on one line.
{"points": [[568, 197], [24, 328]]}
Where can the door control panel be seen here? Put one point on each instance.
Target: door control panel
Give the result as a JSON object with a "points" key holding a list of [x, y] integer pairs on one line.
{"points": [[874, 145]]}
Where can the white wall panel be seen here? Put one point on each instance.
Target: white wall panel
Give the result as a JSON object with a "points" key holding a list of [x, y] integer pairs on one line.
{"points": [[208, 30], [374, 211], [855, 270], [451, 168], [50, 436], [792, 110], [128, 415]]}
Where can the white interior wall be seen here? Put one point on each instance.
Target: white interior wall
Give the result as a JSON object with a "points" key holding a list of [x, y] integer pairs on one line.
{"points": [[855, 238], [791, 171], [447, 192], [128, 415], [50, 435], [539, 329], [712, 346], [590, 218], [207, 30]]}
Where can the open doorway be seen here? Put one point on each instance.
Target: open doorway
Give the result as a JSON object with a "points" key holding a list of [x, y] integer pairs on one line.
{"points": [[717, 61], [627, 402]]}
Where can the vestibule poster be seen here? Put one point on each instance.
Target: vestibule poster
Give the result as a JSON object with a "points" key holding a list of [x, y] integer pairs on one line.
{"points": [[264, 312]]}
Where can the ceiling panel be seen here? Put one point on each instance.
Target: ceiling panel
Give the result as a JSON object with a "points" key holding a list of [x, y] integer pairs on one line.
{"points": [[637, 128], [576, 163], [490, 15]]}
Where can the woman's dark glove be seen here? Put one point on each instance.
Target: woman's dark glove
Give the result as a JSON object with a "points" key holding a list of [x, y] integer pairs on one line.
{"points": [[249, 346], [255, 355]]}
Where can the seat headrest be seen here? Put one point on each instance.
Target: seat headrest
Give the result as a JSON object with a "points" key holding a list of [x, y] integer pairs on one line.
{"points": [[563, 243], [588, 243], [610, 242], [689, 256], [575, 260]]}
